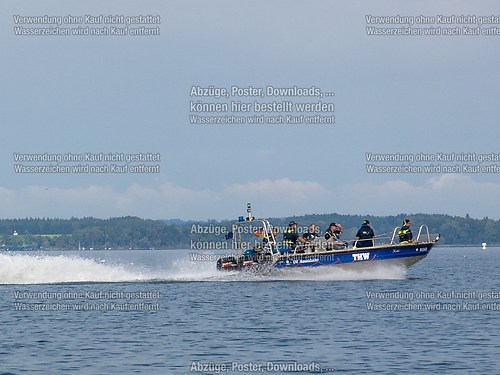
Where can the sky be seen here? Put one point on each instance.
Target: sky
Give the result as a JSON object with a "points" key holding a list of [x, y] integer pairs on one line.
{"points": [[409, 96]]}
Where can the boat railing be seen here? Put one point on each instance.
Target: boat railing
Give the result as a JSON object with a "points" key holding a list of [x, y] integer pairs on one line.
{"points": [[394, 233], [381, 240], [269, 243], [320, 244], [355, 242], [423, 234], [268, 236], [422, 227]]}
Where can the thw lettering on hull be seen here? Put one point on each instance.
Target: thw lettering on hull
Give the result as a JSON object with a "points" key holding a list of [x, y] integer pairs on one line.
{"points": [[360, 256]]}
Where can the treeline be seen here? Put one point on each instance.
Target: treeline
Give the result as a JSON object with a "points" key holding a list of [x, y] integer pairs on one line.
{"points": [[87, 233], [454, 230], [136, 233]]}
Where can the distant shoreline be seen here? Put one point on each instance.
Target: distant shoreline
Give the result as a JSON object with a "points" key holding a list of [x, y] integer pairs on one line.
{"points": [[131, 232]]}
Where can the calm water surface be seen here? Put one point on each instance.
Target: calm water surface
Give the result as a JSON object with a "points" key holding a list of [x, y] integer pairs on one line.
{"points": [[157, 312]]}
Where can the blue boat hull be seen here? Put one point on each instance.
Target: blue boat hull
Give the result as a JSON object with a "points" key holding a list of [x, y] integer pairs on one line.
{"points": [[405, 255], [360, 258], [318, 252]]}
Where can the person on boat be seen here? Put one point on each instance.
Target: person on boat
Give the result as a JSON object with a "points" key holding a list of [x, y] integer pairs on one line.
{"points": [[310, 236], [339, 230], [364, 236], [405, 234], [291, 237], [334, 230], [332, 237], [312, 233]]}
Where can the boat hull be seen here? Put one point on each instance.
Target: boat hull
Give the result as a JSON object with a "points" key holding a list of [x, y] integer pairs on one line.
{"points": [[318, 252], [360, 258], [405, 255]]}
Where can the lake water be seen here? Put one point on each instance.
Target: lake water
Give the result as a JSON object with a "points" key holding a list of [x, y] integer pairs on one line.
{"points": [[158, 312]]}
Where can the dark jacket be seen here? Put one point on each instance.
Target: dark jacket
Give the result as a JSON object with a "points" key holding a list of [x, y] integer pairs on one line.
{"points": [[365, 236], [329, 234], [311, 236], [290, 237]]}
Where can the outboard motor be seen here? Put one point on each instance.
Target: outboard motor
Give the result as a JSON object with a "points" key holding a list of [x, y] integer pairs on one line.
{"points": [[228, 263], [250, 257]]}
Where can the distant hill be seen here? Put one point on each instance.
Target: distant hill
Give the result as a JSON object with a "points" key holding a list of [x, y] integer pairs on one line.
{"points": [[176, 221], [135, 233]]}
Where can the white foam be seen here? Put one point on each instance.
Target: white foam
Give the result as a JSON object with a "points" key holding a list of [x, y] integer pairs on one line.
{"points": [[33, 268], [378, 271], [45, 269], [185, 270]]}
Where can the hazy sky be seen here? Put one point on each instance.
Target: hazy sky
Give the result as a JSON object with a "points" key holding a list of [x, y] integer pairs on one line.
{"points": [[398, 94]]}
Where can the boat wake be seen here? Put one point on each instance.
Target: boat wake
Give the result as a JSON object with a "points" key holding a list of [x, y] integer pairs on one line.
{"points": [[16, 268], [378, 272], [48, 269], [336, 273]]}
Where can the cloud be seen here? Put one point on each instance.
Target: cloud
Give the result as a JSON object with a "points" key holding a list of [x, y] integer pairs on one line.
{"points": [[282, 189], [278, 197], [452, 194], [448, 193]]}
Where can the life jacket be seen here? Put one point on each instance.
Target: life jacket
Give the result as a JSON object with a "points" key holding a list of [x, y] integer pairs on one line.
{"points": [[404, 234], [329, 234], [311, 235], [289, 237]]}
